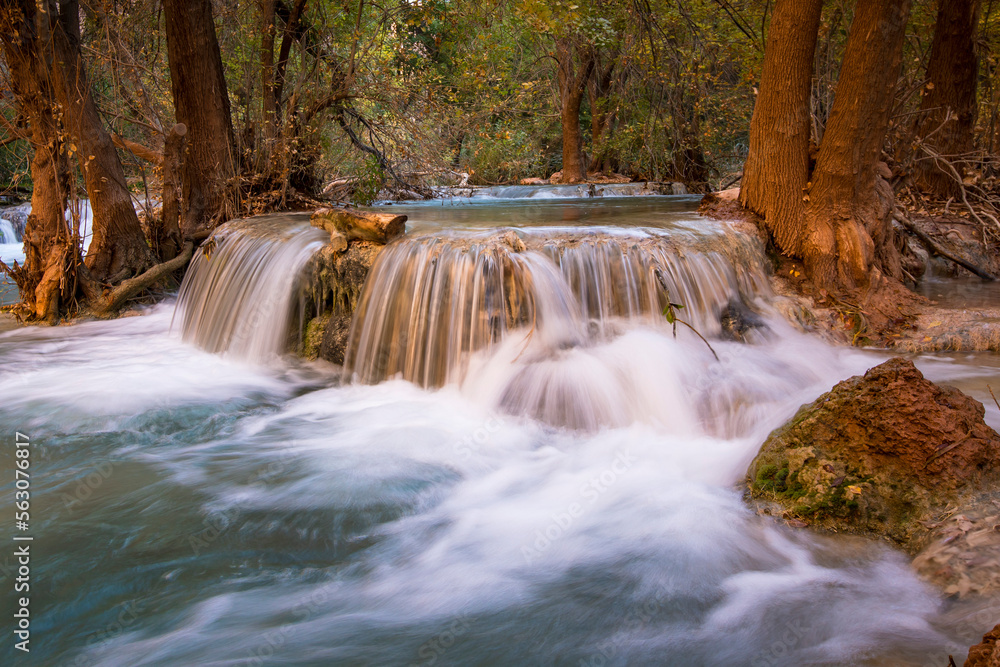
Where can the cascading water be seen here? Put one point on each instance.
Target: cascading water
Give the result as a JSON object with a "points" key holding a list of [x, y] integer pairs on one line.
{"points": [[241, 514], [239, 295], [530, 322], [7, 232]]}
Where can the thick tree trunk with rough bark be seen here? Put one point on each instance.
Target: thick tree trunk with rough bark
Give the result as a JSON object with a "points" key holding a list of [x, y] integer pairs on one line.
{"points": [[952, 75], [50, 250], [169, 241], [269, 105], [118, 249], [598, 92], [777, 167], [848, 223], [573, 78], [201, 103]]}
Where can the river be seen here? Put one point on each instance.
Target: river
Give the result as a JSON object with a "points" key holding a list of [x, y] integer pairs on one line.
{"points": [[191, 507]]}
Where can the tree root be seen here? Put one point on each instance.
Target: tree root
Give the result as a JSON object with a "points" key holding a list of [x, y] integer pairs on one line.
{"points": [[116, 299]]}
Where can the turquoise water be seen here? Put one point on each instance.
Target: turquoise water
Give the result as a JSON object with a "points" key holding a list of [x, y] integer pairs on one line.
{"points": [[190, 508]]}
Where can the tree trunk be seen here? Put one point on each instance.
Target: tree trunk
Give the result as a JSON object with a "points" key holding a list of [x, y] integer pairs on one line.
{"points": [[572, 86], [849, 215], [269, 103], [169, 241], [118, 248], [201, 103], [598, 92], [777, 167], [50, 251], [952, 74]]}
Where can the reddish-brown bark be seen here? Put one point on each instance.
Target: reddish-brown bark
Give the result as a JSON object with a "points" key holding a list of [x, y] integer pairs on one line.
{"points": [[201, 103], [848, 223], [573, 77], [49, 249], [118, 248], [777, 167], [952, 73]]}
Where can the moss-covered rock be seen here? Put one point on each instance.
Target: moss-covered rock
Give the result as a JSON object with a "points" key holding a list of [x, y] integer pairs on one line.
{"points": [[887, 454], [339, 271], [312, 341]]}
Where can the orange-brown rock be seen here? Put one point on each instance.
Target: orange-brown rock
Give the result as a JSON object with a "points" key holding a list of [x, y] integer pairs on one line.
{"points": [[987, 652], [878, 454]]}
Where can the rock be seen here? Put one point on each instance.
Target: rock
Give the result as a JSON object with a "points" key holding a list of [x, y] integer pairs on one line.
{"points": [[732, 194], [987, 652], [678, 189], [535, 181], [884, 455], [338, 278], [360, 225], [313, 339], [738, 321], [339, 271], [512, 241]]}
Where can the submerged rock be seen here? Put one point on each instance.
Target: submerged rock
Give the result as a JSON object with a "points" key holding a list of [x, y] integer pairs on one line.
{"points": [[891, 454], [738, 321], [987, 652]]}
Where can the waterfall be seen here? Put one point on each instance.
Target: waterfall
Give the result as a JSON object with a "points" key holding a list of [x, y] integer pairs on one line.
{"points": [[240, 292], [533, 312], [7, 232]]}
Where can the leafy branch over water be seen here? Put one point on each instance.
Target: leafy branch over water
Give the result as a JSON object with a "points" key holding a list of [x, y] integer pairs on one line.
{"points": [[670, 312]]}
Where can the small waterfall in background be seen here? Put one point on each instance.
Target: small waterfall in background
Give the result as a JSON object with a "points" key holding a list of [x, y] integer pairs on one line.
{"points": [[7, 232], [240, 293], [14, 219]]}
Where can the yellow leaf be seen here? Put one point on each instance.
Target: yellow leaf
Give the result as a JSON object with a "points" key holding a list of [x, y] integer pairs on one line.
{"points": [[936, 323]]}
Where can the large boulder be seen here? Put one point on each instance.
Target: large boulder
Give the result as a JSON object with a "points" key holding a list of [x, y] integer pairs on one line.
{"points": [[987, 652], [891, 454]]}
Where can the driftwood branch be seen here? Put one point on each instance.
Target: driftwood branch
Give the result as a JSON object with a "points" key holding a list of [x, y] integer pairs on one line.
{"points": [[138, 150], [938, 250], [732, 181], [363, 226], [131, 287]]}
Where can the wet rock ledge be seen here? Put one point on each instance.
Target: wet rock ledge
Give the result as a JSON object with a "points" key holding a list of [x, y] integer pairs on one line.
{"points": [[339, 271], [892, 455], [987, 652]]}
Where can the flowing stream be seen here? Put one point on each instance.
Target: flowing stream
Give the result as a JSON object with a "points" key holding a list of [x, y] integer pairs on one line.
{"points": [[520, 465]]}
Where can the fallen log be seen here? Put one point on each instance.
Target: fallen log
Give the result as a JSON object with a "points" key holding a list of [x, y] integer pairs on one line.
{"points": [[938, 250], [360, 225]]}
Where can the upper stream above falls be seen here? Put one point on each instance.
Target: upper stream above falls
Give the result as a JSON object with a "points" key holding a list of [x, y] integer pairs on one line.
{"points": [[518, 464]]}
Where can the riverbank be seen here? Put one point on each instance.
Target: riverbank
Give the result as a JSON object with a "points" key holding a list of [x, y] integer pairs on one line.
{"points": [[949, 309]]}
